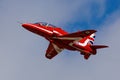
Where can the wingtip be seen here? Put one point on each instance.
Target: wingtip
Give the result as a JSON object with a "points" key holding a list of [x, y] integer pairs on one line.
{"points": [[90, 31], [106, 46], [93, 31]]}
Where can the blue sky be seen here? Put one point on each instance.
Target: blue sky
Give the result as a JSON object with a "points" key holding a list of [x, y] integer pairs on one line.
{"points": [[96, 18], [22, 53]]}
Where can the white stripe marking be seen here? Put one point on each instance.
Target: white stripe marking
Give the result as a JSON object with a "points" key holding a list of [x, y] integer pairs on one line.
{"points": [[57, 49], [43, 29], [68, 38], [83, 44], [57, 32]]}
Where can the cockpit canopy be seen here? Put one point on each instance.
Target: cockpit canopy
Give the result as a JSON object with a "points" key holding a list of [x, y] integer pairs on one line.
{"points": [[44, 24]]}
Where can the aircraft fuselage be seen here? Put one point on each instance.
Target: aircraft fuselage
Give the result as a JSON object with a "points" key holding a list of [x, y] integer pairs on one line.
{"points": [[61, 39]]}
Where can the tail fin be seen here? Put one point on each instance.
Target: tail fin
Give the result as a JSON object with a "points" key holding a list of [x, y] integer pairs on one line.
{"points": [[91, 39], [87, 41]]}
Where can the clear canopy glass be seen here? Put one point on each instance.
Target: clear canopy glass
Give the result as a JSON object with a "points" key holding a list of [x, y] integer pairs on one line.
{"points": [[45, 24]]}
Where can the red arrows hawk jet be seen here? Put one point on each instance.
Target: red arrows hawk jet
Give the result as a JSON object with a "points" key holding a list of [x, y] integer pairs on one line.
{"points": [[59, 39]]}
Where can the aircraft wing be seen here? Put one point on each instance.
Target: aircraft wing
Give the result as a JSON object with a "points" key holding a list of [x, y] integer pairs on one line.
{"points": [[74, 36], [80, 33], [52, 51]]}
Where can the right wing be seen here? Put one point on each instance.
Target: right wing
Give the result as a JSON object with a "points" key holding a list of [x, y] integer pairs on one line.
{"points": [[76, 35], [80, 33], [52, 51], [68, 38]]}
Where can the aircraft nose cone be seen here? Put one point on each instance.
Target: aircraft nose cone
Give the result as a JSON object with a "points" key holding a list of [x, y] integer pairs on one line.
{"points": [[27, 26], [24, 25]]}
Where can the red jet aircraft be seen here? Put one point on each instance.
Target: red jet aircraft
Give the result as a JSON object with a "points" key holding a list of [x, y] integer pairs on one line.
{"points": [[59, 39]]}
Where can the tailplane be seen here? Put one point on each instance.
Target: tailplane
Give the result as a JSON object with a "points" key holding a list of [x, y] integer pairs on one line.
{"points": [[95, 47], [98, 46]]}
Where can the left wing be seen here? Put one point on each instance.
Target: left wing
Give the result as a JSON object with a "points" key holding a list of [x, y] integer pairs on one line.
{"points": [[52, 50]]}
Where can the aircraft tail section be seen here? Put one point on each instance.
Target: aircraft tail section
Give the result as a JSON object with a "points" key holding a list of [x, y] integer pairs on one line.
{"points": [[95, 47]]}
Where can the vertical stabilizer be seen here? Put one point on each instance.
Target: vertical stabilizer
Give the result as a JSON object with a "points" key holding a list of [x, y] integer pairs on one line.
{"points": [[89, 40]]}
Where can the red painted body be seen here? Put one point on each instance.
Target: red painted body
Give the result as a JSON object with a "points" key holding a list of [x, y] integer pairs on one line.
{"points": [[59, 39]]}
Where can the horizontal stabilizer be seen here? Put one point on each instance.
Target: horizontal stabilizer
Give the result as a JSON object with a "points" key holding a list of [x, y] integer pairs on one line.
{"points": [[98, 46]]}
